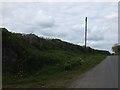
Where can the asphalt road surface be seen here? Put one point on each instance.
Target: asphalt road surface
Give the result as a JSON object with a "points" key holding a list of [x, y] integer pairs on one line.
{"points": [[104, 75]]}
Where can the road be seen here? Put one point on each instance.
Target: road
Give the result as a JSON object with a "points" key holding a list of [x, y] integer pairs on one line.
{"points": [[104, 75]]}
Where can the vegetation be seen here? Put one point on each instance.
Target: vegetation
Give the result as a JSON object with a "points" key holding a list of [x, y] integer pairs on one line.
{"points": [[116, 49], [29, 60]]}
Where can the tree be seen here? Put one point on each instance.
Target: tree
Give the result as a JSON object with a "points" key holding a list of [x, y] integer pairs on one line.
{"points": [[116, 49]]}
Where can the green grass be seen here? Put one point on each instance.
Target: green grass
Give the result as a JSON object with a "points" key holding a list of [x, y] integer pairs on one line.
{"points": [[56, 74]]}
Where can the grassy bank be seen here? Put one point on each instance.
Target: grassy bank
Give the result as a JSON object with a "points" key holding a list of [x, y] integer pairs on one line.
{"points": [[32, 61], [55, 75]]}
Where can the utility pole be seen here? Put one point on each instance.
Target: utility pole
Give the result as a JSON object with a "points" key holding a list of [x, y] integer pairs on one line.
{"points": [[85, 31]]}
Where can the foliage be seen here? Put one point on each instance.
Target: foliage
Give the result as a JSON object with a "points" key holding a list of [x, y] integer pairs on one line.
{"points": [[116, 49], [26, 55]]}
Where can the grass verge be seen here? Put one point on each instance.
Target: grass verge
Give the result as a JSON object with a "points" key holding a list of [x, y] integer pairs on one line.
{"points": [[68, 66]]}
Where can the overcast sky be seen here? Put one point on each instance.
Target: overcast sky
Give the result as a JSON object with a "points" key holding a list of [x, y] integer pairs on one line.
{"points": [[65, 20]]}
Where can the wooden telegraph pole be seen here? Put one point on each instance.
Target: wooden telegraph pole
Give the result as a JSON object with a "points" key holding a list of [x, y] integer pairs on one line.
{"points": [[85, 31]]}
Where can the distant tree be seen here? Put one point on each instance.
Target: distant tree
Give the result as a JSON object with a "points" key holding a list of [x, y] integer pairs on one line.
{"points": [[116, 49]]}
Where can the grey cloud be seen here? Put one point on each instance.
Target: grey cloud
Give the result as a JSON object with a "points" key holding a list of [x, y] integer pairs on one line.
{"points": [[95, 38], [25, 17]]}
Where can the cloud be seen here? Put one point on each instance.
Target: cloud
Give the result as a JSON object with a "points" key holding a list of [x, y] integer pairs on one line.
{"points": [[65, 20], [112, 15], [26, 18]]}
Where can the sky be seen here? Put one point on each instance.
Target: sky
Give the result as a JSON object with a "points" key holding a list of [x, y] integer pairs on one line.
{"points": [[65, 20]]}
